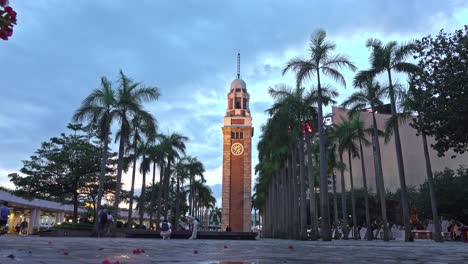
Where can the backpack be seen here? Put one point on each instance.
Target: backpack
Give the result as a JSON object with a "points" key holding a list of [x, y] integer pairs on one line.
{"points": [[164, 226], [4, 213]]}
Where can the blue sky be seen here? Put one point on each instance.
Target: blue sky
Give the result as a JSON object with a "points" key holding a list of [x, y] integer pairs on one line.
{"points": [[60, 49]]}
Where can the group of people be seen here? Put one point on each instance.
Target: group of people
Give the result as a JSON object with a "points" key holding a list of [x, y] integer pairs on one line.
{"points": [[165, 227], [22, 226], [105, 221]]}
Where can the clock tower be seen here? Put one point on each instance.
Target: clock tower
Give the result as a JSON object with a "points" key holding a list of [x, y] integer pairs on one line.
{"points": [[237, 158]]}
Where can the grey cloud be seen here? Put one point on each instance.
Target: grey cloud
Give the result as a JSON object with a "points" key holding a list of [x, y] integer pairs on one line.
{"points": [[60, 49]]}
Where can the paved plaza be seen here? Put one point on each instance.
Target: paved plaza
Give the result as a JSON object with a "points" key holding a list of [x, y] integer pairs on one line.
{"points": [[32, 250]]}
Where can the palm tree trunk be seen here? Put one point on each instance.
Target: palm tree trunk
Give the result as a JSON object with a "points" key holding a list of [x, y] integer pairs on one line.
{"points": [[401, 168], [275, 210], [286, 201], [326, 231], [142, 198], [430, 181], [118, 184], [366, 194], [310, 174], [176, 218], [344, 211], [102, 174], [281, 208], [191, 195], [290, 198], [161, 179], [166, 185], [379, 177], [335, 206], [303, 202], [353, 199], [153, 190], [132, 189], [295, 215]]}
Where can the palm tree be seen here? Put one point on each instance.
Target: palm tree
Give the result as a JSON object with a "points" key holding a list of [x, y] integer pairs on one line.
{"points": [[130, 97], [361, 136], [321, 61], [386, 58], [158, 157], [144, 149], [175, 145], [408, 100], [181, 174], [339, 135], [272, 157], [371, 95], [139, 131], [350, 136], [98, 109], [194, 168]]}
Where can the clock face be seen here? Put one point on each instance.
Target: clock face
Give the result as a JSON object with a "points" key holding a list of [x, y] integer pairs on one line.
{"points": [[237, 149]]}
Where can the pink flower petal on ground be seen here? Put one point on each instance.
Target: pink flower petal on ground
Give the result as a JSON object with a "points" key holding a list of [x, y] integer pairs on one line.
{"points": [[195, 251], [290, 247], [106, 261]]}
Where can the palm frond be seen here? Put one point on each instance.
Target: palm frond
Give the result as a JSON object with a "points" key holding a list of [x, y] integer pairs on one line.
{"points": [[334, 74]]}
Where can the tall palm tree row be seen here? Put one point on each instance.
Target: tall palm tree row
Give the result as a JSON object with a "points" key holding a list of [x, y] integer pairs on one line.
{"points": [[370, 95], [279, 174], [138, 140], [321, 61], [388, 58]]}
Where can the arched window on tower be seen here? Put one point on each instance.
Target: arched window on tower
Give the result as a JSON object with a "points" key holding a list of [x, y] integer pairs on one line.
{"points": [[238, 103]]}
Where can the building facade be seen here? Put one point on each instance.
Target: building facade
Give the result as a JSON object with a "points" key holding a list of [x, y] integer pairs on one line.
{"points": [[412, 150]]}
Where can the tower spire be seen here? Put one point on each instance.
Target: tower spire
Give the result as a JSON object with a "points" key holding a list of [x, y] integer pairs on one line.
{"points": [[238, 64]]}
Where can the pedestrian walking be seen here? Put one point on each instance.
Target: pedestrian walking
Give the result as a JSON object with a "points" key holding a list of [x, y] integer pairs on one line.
{"points": [[4, 215], [102, 220]]}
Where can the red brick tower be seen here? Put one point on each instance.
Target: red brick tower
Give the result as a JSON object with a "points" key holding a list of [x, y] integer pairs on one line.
{"points": [[237, 158]]}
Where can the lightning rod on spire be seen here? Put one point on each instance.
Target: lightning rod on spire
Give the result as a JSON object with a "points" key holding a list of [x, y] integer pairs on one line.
{"points": [[238, 64]]}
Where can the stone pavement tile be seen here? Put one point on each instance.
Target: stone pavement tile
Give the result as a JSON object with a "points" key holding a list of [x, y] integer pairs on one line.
{"points": [[33, 250]]}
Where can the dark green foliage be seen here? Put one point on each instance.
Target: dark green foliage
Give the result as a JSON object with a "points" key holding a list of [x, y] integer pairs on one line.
{"points": [[63, 169], [443, 87], [451, 188], [75, 226]]}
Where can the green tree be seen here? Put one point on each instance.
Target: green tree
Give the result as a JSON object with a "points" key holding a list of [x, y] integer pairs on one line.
{"points": [[444, 82], [408, 102], [61, 169], [451, 189], [321, 61], [386, 58]]}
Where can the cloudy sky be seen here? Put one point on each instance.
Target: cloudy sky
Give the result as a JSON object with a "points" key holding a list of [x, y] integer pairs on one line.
{"points": [[60, 49]]}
